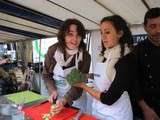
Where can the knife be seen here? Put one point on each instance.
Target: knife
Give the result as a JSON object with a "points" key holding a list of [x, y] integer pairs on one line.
{"points": [[54, 100]]}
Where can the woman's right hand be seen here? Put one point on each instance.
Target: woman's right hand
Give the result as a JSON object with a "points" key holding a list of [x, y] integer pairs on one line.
{"points": [[58, 106], [53, 96]]}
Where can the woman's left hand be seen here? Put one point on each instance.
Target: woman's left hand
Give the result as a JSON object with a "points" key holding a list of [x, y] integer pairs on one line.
{"points": [[80, 85]]}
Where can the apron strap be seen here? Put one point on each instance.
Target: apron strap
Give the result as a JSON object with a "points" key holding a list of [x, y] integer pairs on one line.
{"points": [[78, 58]]}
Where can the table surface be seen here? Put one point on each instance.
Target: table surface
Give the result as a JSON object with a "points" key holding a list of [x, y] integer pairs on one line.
{"points": [[4, 100]]}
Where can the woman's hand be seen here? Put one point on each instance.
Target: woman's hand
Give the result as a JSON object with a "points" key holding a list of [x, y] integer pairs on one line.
{"points": [[53, 96], [96, 94], [80, 85], [58, 107]]}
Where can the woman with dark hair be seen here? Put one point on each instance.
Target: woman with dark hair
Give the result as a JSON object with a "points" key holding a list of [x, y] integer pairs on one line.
{"points": [[69, 53], [116, 78]]}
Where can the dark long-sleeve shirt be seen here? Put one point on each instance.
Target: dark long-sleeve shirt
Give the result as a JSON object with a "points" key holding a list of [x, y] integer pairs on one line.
{"points": [[125, 80], [148, 58]]}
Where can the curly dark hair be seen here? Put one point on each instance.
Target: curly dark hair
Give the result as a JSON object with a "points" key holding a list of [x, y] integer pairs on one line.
{"points": [[65, 29], [120, 25]]}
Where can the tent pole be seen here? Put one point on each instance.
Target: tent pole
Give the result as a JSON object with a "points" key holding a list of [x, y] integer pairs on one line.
{"points": [[39, 66]]}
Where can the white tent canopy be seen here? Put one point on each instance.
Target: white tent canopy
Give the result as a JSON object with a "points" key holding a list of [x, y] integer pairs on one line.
{"points": [[29, 19]]}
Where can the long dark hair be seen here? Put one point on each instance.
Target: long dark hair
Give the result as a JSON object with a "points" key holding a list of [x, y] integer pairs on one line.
{"points": [[65, 29], [120, 25]]}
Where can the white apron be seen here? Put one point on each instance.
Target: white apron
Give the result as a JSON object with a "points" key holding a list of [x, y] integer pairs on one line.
{"points": [[121, 109], [63, 86]]}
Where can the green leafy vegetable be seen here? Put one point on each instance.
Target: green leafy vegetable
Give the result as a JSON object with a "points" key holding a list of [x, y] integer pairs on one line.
{"points": [[75, 76]]}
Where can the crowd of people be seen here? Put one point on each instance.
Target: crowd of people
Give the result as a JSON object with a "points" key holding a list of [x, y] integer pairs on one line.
{"points": [[126, 76], [16, 79], [127, 84]]}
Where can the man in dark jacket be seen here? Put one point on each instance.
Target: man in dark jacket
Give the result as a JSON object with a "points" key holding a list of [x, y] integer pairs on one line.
{"points": [[148, 58]]}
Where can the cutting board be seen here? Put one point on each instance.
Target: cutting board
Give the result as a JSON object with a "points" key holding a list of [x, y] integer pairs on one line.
{"points": [[36, 112]]}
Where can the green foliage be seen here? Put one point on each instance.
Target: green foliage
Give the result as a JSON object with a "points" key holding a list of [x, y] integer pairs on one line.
{"points": [[75, 76]]}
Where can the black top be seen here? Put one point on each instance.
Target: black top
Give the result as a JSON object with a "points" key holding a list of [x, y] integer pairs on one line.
{"points": [[138, 73], [148, 58], [125, 80]]}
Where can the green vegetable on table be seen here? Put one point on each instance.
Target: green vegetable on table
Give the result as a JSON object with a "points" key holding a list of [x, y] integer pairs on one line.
{"points": [[75, 76]]}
